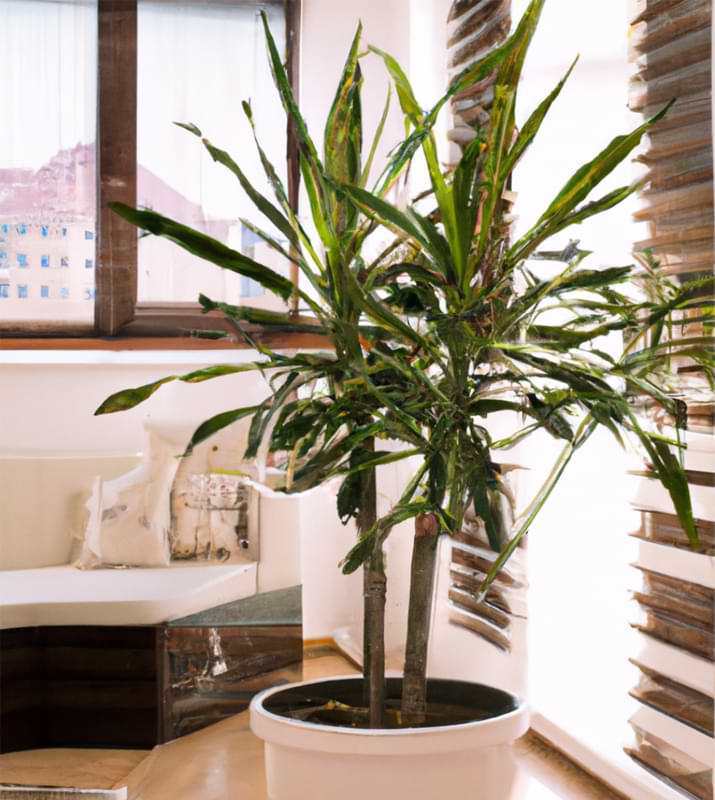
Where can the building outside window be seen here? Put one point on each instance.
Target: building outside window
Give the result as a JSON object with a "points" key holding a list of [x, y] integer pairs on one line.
{"points": [[44, 291], [44, 260], [22, 292]]}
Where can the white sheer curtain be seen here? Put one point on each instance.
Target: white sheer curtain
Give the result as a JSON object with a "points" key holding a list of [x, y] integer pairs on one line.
{"points": [[48, 59], [197, 62], [48, 62]]}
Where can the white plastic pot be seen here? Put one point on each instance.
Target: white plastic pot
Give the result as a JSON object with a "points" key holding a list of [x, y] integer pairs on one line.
{"points": [[321, 762]]}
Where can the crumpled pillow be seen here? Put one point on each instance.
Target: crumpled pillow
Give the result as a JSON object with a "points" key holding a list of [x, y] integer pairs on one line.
{"points": [[130, 518]]}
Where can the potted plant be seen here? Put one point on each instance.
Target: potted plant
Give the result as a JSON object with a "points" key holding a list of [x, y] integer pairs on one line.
{"points": [[446, 326]]}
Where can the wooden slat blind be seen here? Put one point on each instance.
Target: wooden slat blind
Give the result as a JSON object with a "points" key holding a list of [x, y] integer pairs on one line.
{"points": [[671, 48], [475, 28]]}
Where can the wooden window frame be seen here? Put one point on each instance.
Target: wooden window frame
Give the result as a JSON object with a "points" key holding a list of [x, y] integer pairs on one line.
{"points": [[120, 321]]}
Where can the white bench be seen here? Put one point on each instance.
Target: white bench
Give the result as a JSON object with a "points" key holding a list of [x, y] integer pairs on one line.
{"points": [[41, 498]]}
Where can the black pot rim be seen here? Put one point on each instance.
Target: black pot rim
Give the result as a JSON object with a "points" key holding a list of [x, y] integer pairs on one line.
{"points": [[513, 705]]}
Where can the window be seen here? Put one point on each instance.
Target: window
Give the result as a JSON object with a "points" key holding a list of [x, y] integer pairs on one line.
{"points": [[44, 291], [89, 294], [581, 597], [64, 293], [175, 175], [4, 291], [47, 149], [58, 162]]}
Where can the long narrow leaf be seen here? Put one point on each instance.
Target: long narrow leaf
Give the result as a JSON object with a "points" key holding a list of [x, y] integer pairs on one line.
{"points": [[203, 246]]}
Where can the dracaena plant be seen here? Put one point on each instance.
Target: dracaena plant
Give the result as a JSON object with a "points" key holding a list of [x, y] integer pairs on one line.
{"points": [[330, 428], [450, 324]]}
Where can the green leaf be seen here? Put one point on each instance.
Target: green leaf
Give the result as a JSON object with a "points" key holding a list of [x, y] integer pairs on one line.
{"points": [[203, 246], [480, 69], [267, 410], [386, 213], [487, 406], [273, 214], [362, 551], [129, 398], [340, 162], [213, 425], [377, 138], [323, 464], [483, 507], [261, 316], [511, 66], [312, 169], [532, 125], [285, 92], [408, 102], [190, 127], [500, 136], [672, 475], [585, 179], [379, 458], [551, 418]]}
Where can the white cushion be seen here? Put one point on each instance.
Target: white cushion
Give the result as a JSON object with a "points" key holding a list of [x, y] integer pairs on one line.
{"points": [[67, 596], [42, 500]]}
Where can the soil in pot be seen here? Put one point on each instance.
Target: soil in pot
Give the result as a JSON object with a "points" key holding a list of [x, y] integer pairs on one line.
{"points": [[339, 703]]}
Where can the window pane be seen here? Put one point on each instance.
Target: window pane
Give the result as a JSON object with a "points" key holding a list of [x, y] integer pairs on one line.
{"points": [[47, 160], [197, 62]]}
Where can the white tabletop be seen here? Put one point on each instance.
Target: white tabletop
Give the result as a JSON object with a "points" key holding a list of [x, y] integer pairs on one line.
{"points": [[65, 595]]}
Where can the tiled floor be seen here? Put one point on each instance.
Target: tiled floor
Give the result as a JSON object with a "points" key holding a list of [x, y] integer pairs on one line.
{"points": [[226, 761]]}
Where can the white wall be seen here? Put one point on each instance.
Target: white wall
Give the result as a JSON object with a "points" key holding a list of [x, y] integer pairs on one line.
{"points": [[47, 400]]}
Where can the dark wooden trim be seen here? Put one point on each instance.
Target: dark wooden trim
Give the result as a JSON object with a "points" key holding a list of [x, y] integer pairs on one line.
{"points": [[116, 273], [41, 328], [277, 341], [163, 683]]}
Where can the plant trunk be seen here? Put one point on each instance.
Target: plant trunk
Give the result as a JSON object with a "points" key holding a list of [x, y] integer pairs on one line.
{"points": [[375, 584], [374, 592], [424, 564]]}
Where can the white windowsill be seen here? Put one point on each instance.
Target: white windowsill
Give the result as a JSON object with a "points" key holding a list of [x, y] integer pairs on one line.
{"points": [[125, 357], [606, 762]]}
